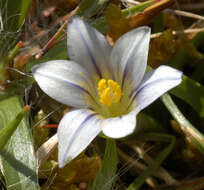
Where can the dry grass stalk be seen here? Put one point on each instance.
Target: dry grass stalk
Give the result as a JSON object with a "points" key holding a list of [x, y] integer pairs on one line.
{"points": [[44, 152], [187, 31]]}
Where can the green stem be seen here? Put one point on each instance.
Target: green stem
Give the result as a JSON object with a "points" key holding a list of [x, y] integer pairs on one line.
{"points": [[188, 129], [12, 53], [137, 8]]}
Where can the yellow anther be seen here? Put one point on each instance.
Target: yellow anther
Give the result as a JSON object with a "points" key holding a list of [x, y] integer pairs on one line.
{"points": [[109, 92], [101, 86]]}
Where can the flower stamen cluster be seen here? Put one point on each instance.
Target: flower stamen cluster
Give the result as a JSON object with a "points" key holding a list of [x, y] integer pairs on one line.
{"points": [[109, 92]]}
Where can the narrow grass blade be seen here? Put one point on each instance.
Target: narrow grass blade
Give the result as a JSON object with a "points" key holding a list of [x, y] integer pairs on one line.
{"points": [[137, 8], [138, 182], [12, 14], [106, 175], [23, 10]]}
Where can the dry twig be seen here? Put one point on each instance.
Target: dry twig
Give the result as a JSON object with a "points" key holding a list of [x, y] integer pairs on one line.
{"points": [[192, 6], [184, 14], [187, 31]]}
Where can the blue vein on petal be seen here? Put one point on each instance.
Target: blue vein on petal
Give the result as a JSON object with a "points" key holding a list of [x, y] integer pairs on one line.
{"points": [[87, 48], [74, 136], [149, 84], [68, 83], [128, 61]]}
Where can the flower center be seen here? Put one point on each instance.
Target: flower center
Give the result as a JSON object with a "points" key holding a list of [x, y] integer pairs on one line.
{"points": [[109, 92]]}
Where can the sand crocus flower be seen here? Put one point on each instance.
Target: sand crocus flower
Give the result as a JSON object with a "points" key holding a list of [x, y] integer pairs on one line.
{"points": [[107, 87]]}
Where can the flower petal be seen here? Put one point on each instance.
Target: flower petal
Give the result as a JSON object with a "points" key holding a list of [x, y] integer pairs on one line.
{"points": [[88, 47], [156, 83], [118, 127], [129, 56], [63, 80], [75, 132]]}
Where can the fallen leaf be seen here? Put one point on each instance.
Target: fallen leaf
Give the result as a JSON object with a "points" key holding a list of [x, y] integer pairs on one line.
{"points": [[79, 170], [162, 49], [117, 22]]}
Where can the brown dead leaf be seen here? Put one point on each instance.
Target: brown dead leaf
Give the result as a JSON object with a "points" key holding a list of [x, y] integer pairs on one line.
{"points": [[162, 49], [183, 42], [171, 21], [117, 22], [79, 170]]}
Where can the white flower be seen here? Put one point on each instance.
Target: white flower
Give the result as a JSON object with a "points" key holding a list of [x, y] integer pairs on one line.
{"points": [[106, 86]]}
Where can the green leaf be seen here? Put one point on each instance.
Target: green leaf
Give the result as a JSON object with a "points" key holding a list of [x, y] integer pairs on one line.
{"points": [[7, 131], [100, 24], [191, 92], [106, 175], [198, 40], [158, 160], [17, 157], [197, 138], [146, 123], [198, 73]]}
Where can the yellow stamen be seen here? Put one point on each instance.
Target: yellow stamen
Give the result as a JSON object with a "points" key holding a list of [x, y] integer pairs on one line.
{"points": [[109, 92]]}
